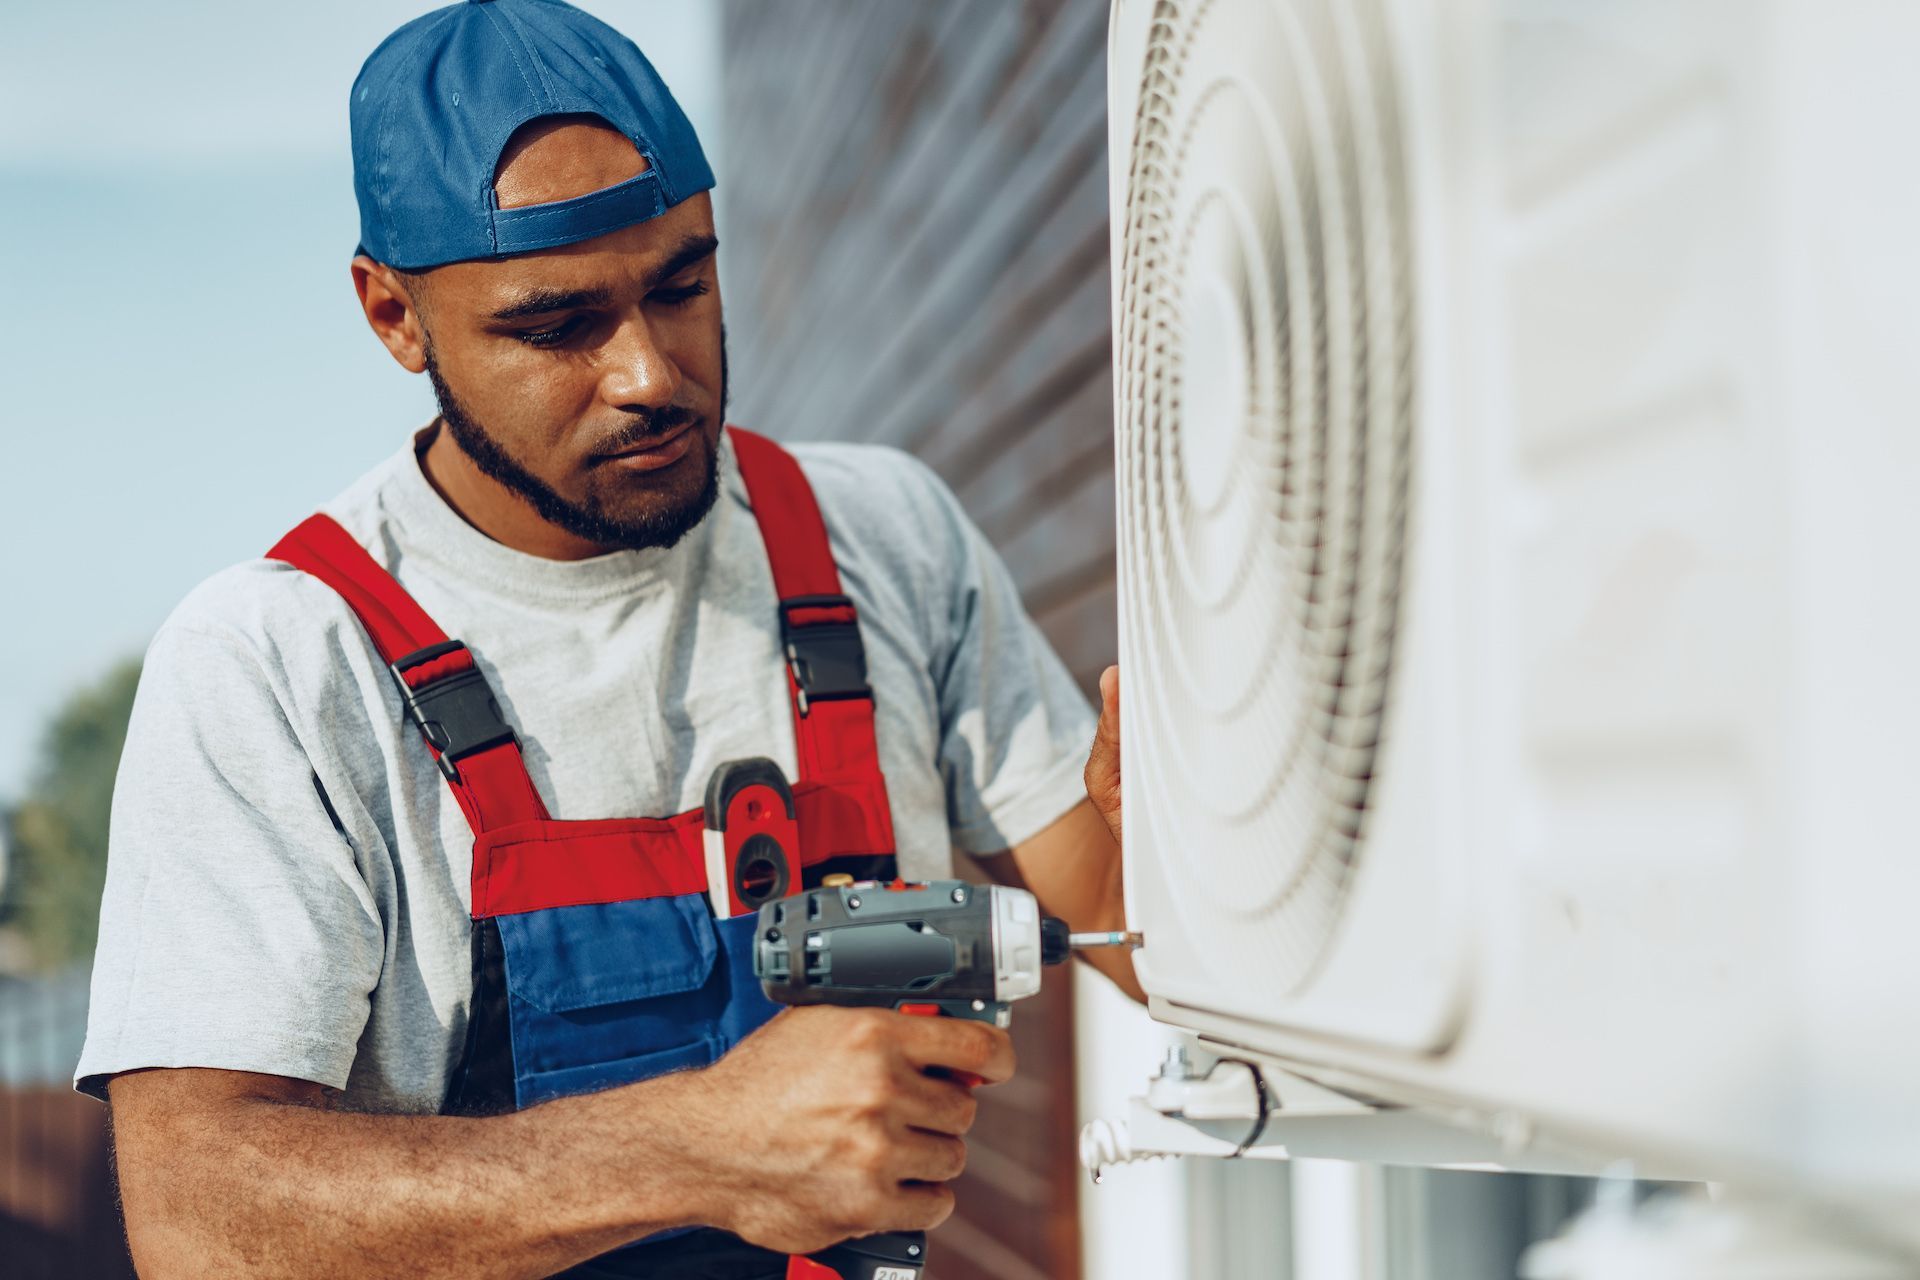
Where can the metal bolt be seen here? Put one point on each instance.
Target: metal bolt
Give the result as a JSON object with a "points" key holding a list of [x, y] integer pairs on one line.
{"points": [[773, 935], [959, 895], [853, 903], [913, 1251], [979, 1006], [1177, 1065]]}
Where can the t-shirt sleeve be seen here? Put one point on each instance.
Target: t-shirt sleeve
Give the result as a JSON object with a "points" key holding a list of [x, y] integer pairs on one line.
{"points": [[236, 930], [1014, 727]]}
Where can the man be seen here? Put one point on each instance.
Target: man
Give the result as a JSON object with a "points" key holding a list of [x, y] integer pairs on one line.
{"points": [[407, 966]]}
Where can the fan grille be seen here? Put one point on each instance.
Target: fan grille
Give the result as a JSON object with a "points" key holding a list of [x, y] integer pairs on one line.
{"points": [[1265, 397]]}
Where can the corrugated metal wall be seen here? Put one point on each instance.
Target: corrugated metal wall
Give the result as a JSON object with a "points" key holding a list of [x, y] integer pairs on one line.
{"points": [[916, 253], [914, 204]]}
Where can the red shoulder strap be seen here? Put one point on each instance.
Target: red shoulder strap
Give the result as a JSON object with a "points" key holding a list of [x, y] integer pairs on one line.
{"points": [[820, 631], [444, 694], [788, 516]]}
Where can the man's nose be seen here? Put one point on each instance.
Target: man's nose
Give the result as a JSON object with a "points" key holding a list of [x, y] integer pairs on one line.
{"points": [[636, 373]]}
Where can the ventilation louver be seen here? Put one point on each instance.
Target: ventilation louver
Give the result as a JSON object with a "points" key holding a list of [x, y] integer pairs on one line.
{"points": [[1265, 360]]}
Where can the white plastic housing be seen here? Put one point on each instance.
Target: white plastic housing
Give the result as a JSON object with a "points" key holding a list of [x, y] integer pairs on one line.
{"points": [[1637, 859]]}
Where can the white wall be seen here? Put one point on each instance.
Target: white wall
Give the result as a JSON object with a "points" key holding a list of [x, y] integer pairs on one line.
{"points": [[1135, 1223]]}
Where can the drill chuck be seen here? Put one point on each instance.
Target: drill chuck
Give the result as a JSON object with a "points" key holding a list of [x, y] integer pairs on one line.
{"points": [[1056, 944]]}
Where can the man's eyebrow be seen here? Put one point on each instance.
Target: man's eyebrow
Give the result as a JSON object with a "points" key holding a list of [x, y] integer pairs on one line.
{"points": [[694, 248], [538, 302], [541, 301]]}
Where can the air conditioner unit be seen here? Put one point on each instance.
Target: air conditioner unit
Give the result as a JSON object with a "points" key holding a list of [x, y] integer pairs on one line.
{"points": [[1519, 546]]}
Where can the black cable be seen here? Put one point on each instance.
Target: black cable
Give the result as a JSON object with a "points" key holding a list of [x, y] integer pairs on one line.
{"points": [[1264, 1103]]}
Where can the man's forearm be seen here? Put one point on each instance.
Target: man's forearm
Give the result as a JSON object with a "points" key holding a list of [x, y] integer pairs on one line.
{"points": [[1104, 897], [265, 1186], [1110, 915], [1074, 868]]}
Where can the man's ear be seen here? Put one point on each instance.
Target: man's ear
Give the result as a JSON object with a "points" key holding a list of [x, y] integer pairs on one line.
{"points": [[392, 312]]}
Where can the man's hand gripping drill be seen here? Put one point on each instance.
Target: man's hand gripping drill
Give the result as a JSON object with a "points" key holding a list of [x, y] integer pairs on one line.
{"points": [[941, 949]]}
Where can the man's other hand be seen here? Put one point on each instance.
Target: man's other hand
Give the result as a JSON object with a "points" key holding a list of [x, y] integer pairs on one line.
{"points": [[1103, 761]]}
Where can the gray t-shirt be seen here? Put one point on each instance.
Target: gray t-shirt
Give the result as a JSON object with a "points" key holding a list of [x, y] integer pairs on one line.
{"points": [[287, 883]]}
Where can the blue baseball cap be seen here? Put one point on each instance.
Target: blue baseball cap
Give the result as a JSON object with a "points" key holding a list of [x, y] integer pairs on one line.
{"points": [[434, 105]]}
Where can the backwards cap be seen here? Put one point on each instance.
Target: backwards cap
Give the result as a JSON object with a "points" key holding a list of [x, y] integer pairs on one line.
{"points": [[434, 105]]}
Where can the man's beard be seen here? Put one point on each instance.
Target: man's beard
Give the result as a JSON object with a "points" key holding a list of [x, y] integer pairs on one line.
{"points": [[661, 526]]}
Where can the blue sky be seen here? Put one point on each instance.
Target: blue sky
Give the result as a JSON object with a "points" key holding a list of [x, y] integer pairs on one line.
{"points": [[185, 371]]}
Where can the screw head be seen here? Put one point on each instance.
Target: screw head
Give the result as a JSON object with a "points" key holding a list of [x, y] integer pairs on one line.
{"points": [[913, 1251], [853, 903], [959, 895], [979, 1006]]}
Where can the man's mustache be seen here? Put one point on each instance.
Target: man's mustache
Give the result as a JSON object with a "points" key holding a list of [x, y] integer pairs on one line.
{"points": [[640, 428]]}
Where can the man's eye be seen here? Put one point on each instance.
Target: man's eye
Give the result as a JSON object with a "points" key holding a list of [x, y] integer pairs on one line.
{"points": [[551, 337], [681, 296]]}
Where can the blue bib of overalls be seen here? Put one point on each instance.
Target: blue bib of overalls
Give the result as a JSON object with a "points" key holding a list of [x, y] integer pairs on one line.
{"points": [[599, 956]]}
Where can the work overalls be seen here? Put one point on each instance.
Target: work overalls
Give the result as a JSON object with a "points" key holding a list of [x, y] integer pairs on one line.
{"points": [[598, 956]]}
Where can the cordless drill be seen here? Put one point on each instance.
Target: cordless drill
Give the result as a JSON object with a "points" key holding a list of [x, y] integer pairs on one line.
{"points": [[945, 948]]}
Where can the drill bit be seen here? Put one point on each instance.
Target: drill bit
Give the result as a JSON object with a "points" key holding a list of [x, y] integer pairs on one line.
{"points": [[1087, 941]]}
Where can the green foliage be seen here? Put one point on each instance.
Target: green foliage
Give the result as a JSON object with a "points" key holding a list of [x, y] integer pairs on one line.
{"points": [[57, 837]]}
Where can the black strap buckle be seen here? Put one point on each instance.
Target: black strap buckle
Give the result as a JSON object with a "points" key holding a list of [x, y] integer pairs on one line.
{"points": [[827, 659], [457, 714]]}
